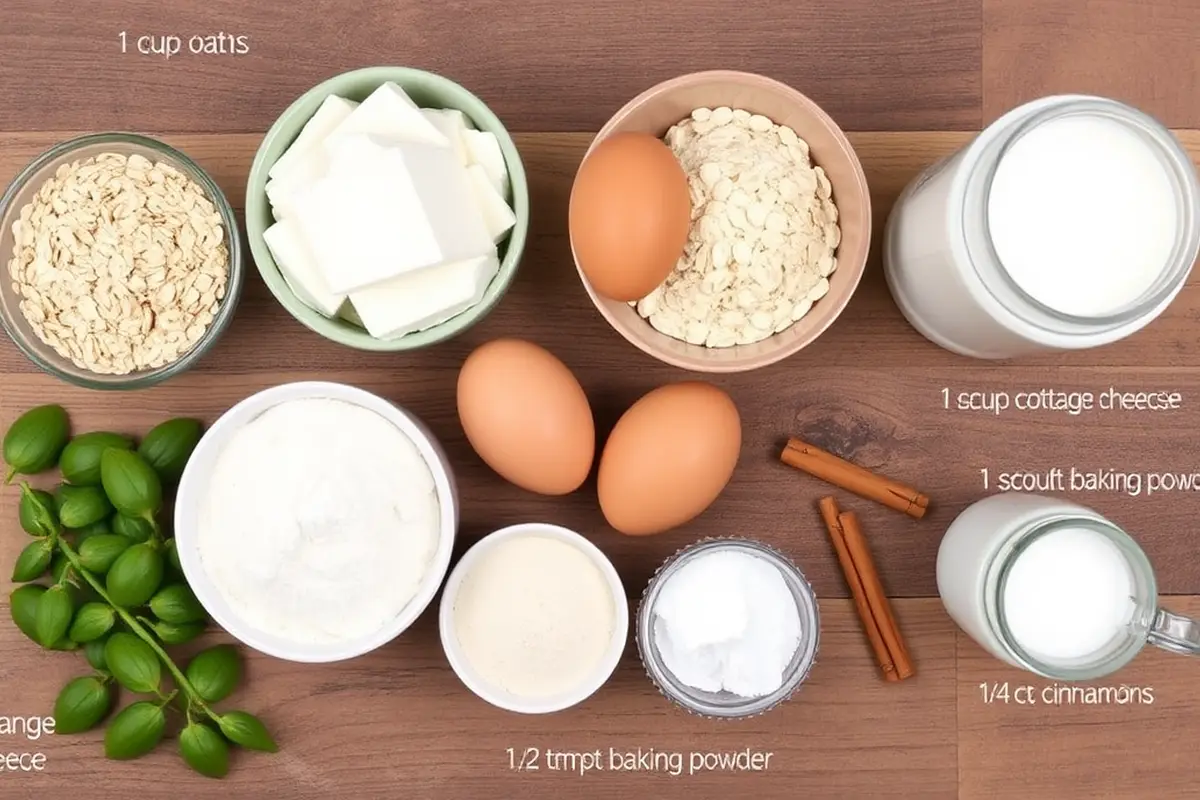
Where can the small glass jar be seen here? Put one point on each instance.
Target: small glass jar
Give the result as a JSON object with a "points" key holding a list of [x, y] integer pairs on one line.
{"points": [[726, 705], [941, 260], [976, 559]]}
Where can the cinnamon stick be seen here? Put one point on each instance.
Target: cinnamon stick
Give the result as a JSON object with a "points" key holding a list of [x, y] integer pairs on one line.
{"points": [[853, 478], [881, 608], [829, 512]]}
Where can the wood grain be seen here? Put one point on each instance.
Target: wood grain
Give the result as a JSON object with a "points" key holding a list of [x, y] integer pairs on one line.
{"points": [[398, 722], [543, 65], [1075, 745], [547, 296], [1141, 52]]}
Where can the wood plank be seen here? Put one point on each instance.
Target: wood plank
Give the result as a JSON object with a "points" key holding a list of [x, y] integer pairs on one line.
{"points": [[1141, 52], [891, 422], [547, 297], [395, 721], [1071, 745], [866, 62]]}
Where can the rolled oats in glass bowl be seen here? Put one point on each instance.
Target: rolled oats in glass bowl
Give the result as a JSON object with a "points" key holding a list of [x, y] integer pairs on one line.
{"points": [[121, 260]]}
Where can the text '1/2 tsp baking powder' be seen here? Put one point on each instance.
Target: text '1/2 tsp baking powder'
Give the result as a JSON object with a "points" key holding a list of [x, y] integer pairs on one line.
{"points": [[1069, 223]]}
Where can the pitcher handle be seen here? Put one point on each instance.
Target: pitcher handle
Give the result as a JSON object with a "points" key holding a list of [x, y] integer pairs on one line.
{"points": [[1176, 633]]}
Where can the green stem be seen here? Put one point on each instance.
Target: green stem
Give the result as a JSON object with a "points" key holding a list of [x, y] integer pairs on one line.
{"points": [[180, 679], [8, 476]]}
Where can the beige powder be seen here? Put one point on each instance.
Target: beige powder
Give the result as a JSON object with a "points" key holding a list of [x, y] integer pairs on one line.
{"points": [[534, 616]]}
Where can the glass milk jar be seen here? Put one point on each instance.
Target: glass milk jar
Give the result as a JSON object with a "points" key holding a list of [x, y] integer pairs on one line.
{"points": [[1054, 588], [1069, 223]]}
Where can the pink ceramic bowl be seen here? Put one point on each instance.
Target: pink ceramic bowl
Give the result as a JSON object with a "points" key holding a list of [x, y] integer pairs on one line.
{"points": [[660, 107]]}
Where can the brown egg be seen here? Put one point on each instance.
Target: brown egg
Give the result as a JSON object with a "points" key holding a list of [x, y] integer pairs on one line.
{"points": [[629, 215], [668, 458], [527, 416]]}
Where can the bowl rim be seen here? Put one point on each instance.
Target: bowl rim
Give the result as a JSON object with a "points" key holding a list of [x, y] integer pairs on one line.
{"points": [[233, 240], [855, 272], [193, 483], [504, 700], [343, 333]]}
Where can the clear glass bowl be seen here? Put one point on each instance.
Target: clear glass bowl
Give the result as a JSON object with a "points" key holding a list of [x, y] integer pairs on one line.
{"points": [[725, 705], [26, 185]]}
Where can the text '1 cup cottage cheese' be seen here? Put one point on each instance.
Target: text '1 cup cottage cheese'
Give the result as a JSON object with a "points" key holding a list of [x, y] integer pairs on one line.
{"points": [[763, 238], [319, 522]]}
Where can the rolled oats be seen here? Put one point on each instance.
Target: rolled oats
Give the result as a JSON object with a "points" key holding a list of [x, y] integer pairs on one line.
{"points": [[120, 263], [764, 232]]}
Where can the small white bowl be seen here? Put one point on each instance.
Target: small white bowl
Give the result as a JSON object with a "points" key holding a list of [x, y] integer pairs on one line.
{"points": [[498, 696], [194, 483]]}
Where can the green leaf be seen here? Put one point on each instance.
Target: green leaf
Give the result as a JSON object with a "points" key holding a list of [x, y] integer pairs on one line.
{"points": [[168, 446], [102, 527], [173, 556], [214, 673], [92, 621], [54, 612], [135, 576], [36, 511], [81, 705], [94, 653], [135, 730], [135, 529], [61, 570], [80, 506], [23, 606], [98, 553], [176, 603], [247, 731], [204, 750], [175, 632], [133, 663], [131, 484], [34, 442], [33, 561], [80, 460]]}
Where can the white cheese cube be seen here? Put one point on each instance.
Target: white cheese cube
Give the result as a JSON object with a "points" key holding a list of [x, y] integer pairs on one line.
{"points": [[388, 113], [498, 218], [295, 263], [419, 300], [332, 111], [387, 208], [484, 150], [452, 123]]}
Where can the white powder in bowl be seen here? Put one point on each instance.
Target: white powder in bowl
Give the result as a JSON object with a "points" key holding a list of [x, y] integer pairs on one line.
{"points": [[727, 621], [319, 522], [534, 616]]}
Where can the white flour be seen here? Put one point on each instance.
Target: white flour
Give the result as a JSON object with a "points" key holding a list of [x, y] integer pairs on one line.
{"points": [[727, 621], [320, 521], [534, 616]]}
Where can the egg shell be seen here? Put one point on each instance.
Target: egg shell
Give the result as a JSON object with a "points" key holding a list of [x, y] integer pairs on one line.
{"points": [[526, 416], [629, 215], [668, 458]]}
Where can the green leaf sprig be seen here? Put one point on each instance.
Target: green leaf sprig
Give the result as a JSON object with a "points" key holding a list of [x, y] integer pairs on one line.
{"points": [[117, 592]]}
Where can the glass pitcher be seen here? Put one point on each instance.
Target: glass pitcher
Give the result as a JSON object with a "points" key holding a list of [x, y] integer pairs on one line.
{"points": [[975, 561]]}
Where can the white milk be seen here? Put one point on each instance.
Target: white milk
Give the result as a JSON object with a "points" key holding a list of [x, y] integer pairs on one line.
{"points": [[1069, 223], [1083, 214], [1068, 596]]}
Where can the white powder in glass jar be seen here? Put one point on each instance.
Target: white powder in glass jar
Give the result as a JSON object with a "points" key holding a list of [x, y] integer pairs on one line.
{"points": [[319, 522], [727, 621], [534, 616]]}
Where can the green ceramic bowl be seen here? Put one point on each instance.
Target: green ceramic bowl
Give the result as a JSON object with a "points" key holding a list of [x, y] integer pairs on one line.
{"points": [[428, 91]]}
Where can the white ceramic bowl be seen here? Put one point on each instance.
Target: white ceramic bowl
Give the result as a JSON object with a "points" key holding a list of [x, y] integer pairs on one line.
{"points": [[498, 696], [194, 483]]}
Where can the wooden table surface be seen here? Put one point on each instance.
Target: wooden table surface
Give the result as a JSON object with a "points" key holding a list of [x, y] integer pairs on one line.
{"points": [[910, 79]]}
